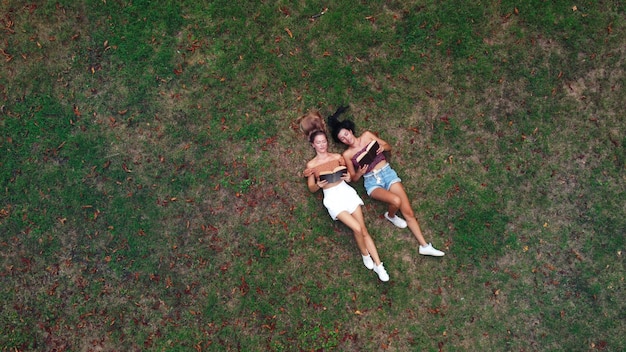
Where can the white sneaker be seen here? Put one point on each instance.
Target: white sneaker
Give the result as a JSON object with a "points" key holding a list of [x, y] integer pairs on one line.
{"points": [[382, 273], [368, 262], [430, 250], [396, 220]]}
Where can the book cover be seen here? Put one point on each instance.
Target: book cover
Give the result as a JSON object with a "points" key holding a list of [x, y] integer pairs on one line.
{"points": [[369, 154], [334, 175]]}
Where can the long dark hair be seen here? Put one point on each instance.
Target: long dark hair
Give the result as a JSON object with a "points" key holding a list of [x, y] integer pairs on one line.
{"points": [[336, 125]]}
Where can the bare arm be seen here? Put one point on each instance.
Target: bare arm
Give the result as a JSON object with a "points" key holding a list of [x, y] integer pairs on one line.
{"points": [[312, 182], [313, 186], [355, 174], [384, 146]]}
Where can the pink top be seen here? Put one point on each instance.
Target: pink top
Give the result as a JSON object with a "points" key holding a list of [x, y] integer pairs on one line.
{"points": [[379, 157]]}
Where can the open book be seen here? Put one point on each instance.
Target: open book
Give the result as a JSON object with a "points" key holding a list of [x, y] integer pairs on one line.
{"points": [[369, 154], [334, 175]]}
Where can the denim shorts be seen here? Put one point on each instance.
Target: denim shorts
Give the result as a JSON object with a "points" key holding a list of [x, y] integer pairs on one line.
{"points": [[381, 178]]}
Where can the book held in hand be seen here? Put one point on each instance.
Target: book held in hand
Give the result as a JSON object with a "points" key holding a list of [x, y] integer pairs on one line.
{"points": [[369, 154], [334, 175]]}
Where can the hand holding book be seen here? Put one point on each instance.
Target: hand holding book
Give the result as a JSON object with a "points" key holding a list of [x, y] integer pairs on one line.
{"points": [[334, 175], [369, 154]]}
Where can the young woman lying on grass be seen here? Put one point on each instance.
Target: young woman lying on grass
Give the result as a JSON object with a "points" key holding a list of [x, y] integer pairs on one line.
{"points": [[380, 180], [341, 200]]}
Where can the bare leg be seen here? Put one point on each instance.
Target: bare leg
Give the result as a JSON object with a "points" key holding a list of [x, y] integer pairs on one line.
{"points": [[397, 199], [363, 239], [393, 200]]}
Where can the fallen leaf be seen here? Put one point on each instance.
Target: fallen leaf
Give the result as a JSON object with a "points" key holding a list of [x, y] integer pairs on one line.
{"points": [[7, 57], [433, 310], [288, 32], [577, 254], [285, 11]]}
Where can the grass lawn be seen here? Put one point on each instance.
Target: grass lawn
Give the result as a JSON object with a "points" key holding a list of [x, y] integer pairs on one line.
{"points": [[151, 191]]}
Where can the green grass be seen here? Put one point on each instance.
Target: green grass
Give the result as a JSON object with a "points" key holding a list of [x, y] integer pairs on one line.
{"points": [[152, 199]]}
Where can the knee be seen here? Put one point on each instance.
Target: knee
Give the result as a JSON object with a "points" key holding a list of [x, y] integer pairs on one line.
{"points": [[358, 231], [396, 202]]}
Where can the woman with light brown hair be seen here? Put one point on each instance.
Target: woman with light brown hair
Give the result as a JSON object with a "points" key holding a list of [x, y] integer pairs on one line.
{"points": [[341, 200]]}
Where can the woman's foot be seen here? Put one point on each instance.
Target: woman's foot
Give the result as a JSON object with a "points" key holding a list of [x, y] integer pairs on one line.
{"points": [[367, 261], [396, 220], [382, 273], [430, 250]]}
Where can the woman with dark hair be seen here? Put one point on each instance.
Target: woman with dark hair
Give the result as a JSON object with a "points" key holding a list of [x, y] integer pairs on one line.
{"points": [[380, 180], [341, 200]]}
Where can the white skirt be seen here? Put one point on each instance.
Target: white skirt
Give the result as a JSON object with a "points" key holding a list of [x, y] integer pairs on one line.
{"points": [[340, 198]]}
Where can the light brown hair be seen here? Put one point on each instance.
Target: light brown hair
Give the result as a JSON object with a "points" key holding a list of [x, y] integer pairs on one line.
{"points": [[311, 122]]}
